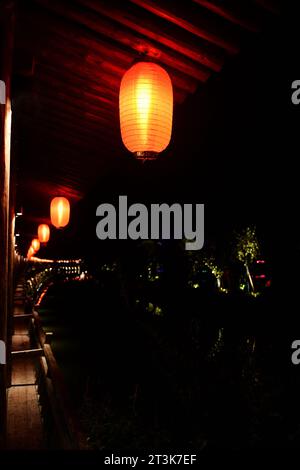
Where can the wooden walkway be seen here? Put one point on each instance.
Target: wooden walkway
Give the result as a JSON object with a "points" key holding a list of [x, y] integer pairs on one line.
{"points": [[24, 422]]}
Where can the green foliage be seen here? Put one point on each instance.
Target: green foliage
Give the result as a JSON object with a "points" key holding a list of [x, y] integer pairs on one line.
{"points": [[247, 246], [202, 260], [211, 263]]}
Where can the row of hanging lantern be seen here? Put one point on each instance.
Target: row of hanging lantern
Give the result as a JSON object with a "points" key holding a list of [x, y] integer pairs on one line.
{"points": [[146, 114], [34, 247], [59, 215]]}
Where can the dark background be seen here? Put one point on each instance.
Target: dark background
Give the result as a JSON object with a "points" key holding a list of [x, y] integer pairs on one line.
{"points": [[230, 149], [234, 148]]}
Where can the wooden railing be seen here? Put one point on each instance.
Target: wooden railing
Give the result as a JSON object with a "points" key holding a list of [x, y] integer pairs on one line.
{"points": [[60, 422]]}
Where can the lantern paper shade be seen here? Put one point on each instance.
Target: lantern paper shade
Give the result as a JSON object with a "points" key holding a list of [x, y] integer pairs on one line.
{"points": [[43, 233], [146, 109], [35, 244], [60, 212]]}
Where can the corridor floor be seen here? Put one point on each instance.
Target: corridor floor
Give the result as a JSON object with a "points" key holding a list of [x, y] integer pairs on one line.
{"points": [[24, 421]]}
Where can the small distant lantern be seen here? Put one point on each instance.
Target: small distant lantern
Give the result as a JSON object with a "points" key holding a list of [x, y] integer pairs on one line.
{"points": [[60, 212], [35, 244], [43, 233], [146, 110], [30, 252]]}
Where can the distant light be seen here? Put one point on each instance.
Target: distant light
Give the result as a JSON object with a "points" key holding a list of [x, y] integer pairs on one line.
{"points": [[260, 261]]}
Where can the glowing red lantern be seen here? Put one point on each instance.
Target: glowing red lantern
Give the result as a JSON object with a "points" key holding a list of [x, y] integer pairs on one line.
{"points": [[30, 252], [146, 109], [43, 233], [60, 212], [35, 244]]}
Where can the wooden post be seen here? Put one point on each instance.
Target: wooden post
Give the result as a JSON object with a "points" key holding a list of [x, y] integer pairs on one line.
{"points": [[11, 272], [6, 44]]}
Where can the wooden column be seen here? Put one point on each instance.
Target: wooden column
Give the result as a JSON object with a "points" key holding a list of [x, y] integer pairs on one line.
{"points": [[12, 267], [6, 44]]}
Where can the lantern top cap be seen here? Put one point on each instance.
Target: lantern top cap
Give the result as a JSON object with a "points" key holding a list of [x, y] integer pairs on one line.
{"points": [[60, 197], [147, 64], [144, 67]]}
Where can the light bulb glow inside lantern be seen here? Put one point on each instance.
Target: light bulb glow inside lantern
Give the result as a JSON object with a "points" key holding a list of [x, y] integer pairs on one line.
{"points": [[43, 233], [60, 212], [146, 109]]}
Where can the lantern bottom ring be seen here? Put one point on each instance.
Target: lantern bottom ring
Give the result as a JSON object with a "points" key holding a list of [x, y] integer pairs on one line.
{"points": [[148, 155]]}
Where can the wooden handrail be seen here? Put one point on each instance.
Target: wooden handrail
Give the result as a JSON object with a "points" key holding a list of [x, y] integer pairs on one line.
{"points": [[51, 382], [23, 315], [27, 352]]}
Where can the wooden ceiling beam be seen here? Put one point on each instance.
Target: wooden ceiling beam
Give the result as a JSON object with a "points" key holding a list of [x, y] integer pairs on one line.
{"points": [[101, 127], [31, 124], [117, 69], [51, 169], [202, 54], [79, 67], [44, 25], [48, 132], [38, 189], [87, 101], [67, 79], [52, 99], [80, 128], [127, 38], [234, 14], [48, 169], [176, 13], [67, 133], [270, 5], [94, 141], [80, 80]]}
